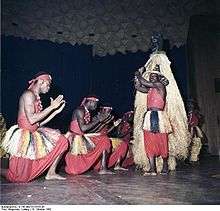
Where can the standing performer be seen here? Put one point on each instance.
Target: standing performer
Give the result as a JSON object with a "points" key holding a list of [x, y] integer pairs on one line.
{"points": [[34, 148], [87, 149], [173, 109], [156, 122], [194, 120]]}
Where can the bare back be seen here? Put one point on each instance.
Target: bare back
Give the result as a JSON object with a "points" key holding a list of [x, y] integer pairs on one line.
{"points": [[26, 104]]}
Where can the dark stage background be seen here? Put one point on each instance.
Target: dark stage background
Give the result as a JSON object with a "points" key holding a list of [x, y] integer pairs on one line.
{"points": [[76, 73]]}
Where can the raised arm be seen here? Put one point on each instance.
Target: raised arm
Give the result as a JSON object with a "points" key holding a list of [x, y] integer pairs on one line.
{"points": [[143, 82], [28, 99], [52, 115], [79, 114], [146, 83], [140, 87], [100, 126]]}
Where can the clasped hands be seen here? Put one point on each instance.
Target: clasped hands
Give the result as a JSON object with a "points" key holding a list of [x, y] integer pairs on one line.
{"points": [[58, 103]]}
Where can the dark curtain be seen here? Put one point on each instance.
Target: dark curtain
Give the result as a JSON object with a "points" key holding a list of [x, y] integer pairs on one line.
{"points": [[76, 73]]}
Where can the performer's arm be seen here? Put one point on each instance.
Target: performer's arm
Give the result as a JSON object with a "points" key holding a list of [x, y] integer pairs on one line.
{"points": [[52, 115], [144, 82], [122, 133], [115, 124], [140, 88], [100, 126], [105, 123], [29, 109], [95, 121]]}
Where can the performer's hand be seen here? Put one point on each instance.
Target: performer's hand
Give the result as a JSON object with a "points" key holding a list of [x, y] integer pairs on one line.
{"points": [[141, 70], [60, 108], [137, 74], [164, 81], [137, 84], [57, 102], [117, 122], [103, 116]]}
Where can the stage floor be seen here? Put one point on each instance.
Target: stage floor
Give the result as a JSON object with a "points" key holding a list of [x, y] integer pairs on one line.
{"points": [[187, 185]]}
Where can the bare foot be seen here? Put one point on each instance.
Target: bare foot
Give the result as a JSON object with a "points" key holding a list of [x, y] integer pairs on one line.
{"points": [[55, 177], [119, 168], [101, 172]]}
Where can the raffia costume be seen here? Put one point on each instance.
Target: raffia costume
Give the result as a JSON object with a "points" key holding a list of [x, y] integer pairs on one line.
{"points": [[196, 136], [179, 139]]}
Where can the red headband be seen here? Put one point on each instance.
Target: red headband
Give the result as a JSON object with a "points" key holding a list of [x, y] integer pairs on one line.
{"points": [[45, 77], [89, 98], [106, 108]]}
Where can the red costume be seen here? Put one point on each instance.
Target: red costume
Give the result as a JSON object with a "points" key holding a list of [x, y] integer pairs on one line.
{"points": [[125, 129], [33, 149], [118, 151], [156, 126], [154, 99], [80, 159]]}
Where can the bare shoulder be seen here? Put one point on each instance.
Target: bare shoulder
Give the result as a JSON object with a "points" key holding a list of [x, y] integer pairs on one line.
{"points": [[78, 112], [28, 95]]}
